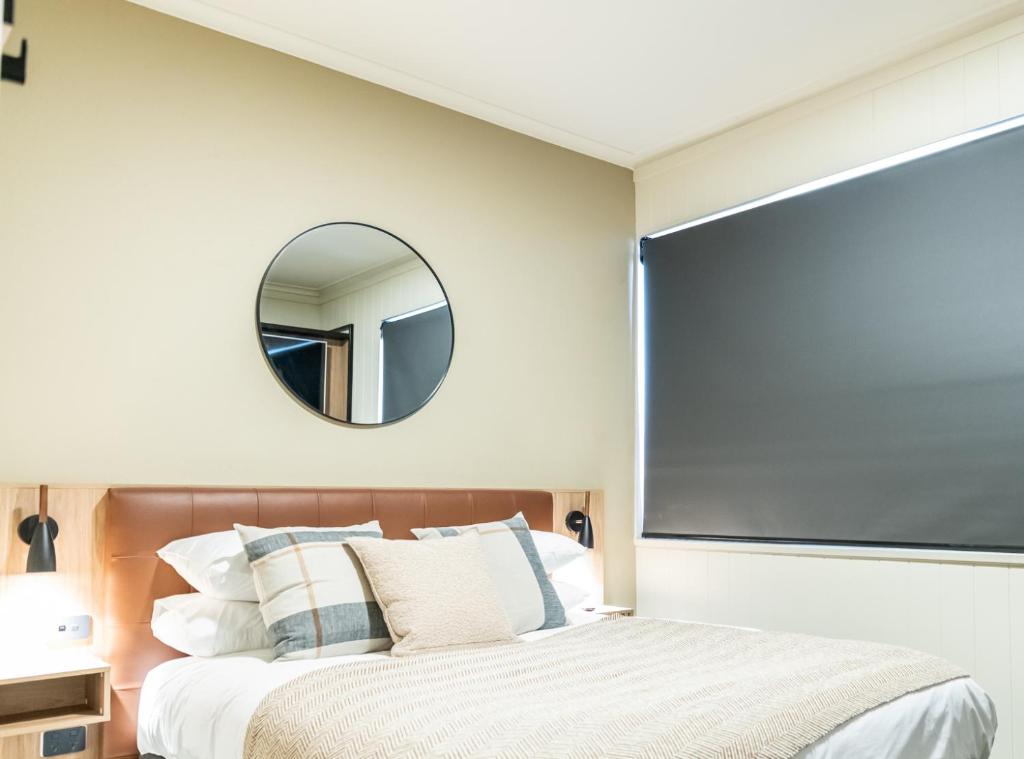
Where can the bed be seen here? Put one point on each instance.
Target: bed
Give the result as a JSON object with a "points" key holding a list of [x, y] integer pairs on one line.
{"points": [[195, 708], [140, 520], [192, 708]]}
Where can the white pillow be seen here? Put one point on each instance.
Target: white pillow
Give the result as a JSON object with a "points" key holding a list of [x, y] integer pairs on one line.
{"points": [[556, 550], [569, 594], [202, 626], [214, 564]]}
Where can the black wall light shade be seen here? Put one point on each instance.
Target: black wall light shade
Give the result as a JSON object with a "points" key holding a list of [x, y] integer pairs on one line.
{"points": [[580, 523], [39, 532], [12, 68]]}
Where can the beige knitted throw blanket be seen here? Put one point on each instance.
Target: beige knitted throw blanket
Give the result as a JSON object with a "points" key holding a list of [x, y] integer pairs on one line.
{"points": [[616, 688]]}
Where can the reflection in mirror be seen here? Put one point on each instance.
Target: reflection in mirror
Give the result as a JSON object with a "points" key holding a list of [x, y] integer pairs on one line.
{"points": [[355, 324]]}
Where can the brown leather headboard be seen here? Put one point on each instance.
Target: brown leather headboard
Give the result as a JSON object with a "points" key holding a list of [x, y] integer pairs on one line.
{"points": [[141, 520]]}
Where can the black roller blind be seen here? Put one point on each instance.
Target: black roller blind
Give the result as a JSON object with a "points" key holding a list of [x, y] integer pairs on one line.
{"points": [[417, 350], [845, 365]]}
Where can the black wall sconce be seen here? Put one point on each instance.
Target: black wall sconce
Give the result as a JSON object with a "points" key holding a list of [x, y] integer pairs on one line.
{"points": [[580, 523], [39, 532], [13, 68]]}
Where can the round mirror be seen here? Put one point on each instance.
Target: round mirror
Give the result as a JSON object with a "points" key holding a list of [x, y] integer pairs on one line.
{"points": [[355, 324]]}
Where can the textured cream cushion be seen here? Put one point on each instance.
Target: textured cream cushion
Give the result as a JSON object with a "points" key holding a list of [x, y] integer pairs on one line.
{"points": [[435, 593]]}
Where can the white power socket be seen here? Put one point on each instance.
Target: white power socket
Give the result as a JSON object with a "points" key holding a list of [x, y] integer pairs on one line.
{"points": [[72, 628]]}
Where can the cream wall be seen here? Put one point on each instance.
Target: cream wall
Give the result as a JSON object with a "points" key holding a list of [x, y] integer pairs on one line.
{"points": [[151, 169], [968, 608]]}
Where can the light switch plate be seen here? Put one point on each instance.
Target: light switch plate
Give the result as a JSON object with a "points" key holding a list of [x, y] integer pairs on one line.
{"points": [[72, 628]]}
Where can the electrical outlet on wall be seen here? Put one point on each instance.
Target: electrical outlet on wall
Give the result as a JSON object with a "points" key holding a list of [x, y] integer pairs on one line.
{"points": [[60, 742], [78, 627]]}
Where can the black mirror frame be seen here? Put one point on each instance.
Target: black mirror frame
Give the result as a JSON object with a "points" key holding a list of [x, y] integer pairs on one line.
{"points": [[291, 393]]}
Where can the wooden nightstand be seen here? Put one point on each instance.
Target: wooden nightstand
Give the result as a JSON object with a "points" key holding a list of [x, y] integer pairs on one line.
{"points": [[50, 692], [612, 611]]}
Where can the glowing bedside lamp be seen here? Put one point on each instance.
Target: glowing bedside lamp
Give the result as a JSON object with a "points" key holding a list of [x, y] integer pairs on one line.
{"points": [[39, 532]]}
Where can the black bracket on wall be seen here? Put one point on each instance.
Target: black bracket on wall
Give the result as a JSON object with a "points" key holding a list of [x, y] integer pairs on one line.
{"points": [[13, 68]]}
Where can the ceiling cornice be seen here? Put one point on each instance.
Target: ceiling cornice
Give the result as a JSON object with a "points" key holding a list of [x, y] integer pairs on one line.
{"points": [[295, 45], [698, 128], [292, 293], [368, 277], [317, 297]]}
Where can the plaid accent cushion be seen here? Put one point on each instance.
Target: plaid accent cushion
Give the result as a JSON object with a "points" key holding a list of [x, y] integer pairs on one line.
{"points": [[314, 596], [527, 594]]}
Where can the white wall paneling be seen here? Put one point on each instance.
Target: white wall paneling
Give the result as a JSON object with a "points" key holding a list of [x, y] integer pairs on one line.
{"points": [[972, 614], [960, 86], [939, 601], [408, 289]]}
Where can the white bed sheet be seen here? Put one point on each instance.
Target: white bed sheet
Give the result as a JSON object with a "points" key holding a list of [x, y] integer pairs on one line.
{"points": [[196, 708]]}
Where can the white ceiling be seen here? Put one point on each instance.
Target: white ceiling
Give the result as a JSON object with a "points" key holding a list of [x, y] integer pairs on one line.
{"points": [[622, 80], [327, 255]]}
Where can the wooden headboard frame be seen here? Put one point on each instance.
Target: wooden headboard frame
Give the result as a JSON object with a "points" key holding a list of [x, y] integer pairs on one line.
{"points": [[138, 521]]}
